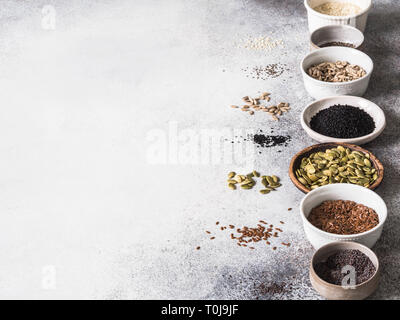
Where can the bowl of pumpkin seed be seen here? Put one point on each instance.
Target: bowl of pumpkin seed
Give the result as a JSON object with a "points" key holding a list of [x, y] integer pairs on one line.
{"points": [[328, 163]]}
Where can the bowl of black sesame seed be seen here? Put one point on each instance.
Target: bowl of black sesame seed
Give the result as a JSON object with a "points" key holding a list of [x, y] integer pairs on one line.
{"points": [[343, 119]]}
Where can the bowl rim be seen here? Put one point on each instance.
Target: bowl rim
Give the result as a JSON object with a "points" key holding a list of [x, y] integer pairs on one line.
{"points": [[356, 51], [375, 133], [343, 26], [333, 244], [343, 185], [298, 184], [329, 17]]}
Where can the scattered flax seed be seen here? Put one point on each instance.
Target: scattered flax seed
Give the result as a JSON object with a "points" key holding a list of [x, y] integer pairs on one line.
{"points": [[274, 248], [235, 107], [246, 235], [286, 244], [217, 223], [281, 222], [289, 209], [198, 248]]}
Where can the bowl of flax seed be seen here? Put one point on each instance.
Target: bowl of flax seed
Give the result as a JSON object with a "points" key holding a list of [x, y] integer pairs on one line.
{"points": [[343, 212]]}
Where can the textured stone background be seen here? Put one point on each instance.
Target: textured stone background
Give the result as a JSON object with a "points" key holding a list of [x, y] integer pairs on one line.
{"points": [[85, 212]]}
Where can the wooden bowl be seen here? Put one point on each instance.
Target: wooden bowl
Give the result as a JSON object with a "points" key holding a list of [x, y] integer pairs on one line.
{"points": [[296, 161], [336, 292]]}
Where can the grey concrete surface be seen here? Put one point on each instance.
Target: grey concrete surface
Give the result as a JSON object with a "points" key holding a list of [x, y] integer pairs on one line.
{"points": [[98, 197]]}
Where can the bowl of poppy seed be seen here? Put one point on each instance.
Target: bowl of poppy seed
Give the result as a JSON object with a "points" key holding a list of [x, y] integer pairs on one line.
{"points": [[336, 35], [346, 119], [332, 163], [336, 71], [343, 212], [344, 271]]}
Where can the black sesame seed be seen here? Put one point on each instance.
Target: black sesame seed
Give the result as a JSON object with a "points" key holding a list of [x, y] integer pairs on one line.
{"points": [[342, 121]]}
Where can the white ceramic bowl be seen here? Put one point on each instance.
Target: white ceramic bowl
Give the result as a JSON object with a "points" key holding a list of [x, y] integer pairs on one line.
{"points": [[371, 108], [317, 20], [336, 33], [321, 89], [342, 191]]}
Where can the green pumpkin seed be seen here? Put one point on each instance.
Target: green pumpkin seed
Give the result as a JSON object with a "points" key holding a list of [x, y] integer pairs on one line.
{"points": [[238, 179], [335, 165], [270, 180], [303, 181], [231, 175]]}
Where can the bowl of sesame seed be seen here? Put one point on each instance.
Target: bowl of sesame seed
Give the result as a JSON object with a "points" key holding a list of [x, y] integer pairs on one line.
{"points": [[333, 12]]}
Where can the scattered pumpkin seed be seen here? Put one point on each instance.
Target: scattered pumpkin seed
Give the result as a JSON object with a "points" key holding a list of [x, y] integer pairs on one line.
{"points": [[232, 186], [247, 182]]}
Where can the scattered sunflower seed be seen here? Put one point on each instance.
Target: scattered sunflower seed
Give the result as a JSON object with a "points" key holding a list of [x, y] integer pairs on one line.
{"points": [[253, 104]]}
